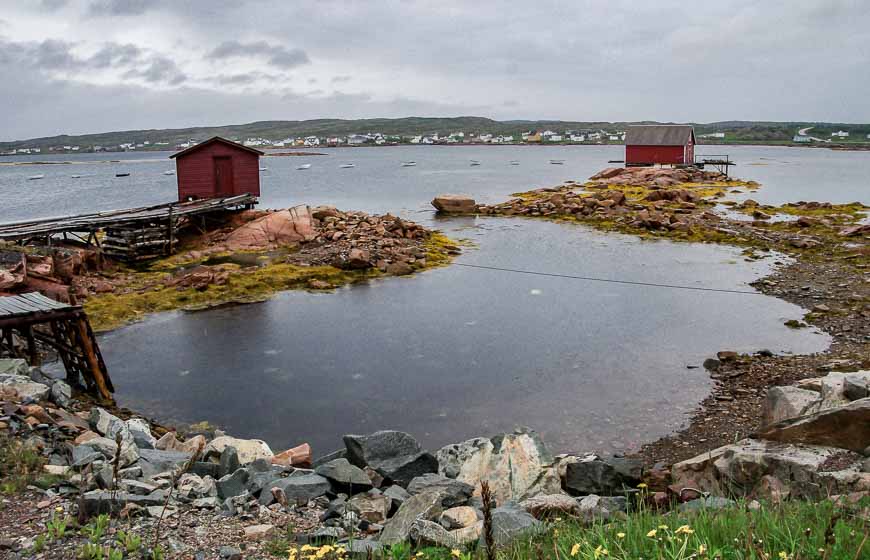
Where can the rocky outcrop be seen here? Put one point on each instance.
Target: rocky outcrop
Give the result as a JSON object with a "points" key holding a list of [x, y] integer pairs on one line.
{"points": [[248, 449], [275, 229], [517, 466], [454, 204], [607, 476], [845, 427], [752, 467]]}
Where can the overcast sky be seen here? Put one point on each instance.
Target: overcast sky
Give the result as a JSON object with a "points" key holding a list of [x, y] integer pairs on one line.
{"points": [[79, 66]]}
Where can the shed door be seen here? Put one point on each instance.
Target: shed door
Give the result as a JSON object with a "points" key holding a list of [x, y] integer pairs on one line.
{"points": [[223, 176]]}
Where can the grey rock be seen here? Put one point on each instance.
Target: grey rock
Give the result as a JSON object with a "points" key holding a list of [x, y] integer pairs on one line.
{"points": [[141, 432], [712, 364], [205, 468], [337, 454], [509, 522], [229, 461], [335, 509], [364, 547], [104, 477], [138, 487], [601, 508], [96, 502], [24, 386], [602, 476], [233, 485], [456, 492], [297, 488], [710, 502], [83, 456], [326, 535], [395, 455], [61, 393], [856, 387], [262, 479], [426, 505], [230, 553], [782, 403], [429, 533], [155, 461], [371, 506], [210, 502], [344, 476], [551, 506], [13, 366], [397, 495]]}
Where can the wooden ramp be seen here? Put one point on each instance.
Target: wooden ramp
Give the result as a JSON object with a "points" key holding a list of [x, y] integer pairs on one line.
{"points": [[131, 234], [28, 320]]}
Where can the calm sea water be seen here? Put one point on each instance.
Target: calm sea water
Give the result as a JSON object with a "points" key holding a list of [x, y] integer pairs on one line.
{"points": [[454, 352]]}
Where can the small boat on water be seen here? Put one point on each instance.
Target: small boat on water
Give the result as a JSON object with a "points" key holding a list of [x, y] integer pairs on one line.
{"points": [[304, 166], [169, 172], [557, 161], [514, 162], [264, 169], [35, 177], [347, 165], [409, 163], [474, 162], [122, 174], [75, 176]]}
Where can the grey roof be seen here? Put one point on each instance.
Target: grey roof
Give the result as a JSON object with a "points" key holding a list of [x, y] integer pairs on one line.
{"points": [[659, 134], [26, 304]]}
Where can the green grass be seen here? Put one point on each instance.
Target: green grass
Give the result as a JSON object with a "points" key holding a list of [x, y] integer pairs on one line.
{"points": [[793, 531], [20, 465]]}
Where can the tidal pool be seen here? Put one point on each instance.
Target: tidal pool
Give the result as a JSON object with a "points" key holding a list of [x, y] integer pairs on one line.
{"points": [[458, 352]]}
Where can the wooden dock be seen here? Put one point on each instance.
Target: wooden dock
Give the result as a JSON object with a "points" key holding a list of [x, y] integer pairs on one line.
{"points": [[131, 234], [30, 320]]}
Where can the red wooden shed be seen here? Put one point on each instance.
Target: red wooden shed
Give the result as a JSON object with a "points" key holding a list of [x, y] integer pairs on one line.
{"points": [[217, 168], [669, 144]]}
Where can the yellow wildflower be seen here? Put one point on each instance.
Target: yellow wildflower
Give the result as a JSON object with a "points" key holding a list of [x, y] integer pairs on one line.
{"points": [[59, 509], [663, 526], [600, 551], [642, 485], [456, 553], [783, 555], [652, 533], [702, 549], [418, 555], [575, 549], [620, 535], [684, 529]]}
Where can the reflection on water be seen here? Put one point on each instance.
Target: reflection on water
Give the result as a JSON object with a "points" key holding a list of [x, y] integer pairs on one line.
{"points": [[458, 352]]}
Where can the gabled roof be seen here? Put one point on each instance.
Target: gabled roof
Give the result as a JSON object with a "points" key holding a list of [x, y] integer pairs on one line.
{"points": [[659, 135], [212, 141]]}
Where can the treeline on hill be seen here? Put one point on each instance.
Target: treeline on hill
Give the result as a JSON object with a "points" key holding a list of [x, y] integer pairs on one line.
{"points": [[735, 131]]}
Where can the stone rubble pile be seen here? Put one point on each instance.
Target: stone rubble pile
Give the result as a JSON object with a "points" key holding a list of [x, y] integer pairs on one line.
{"points": [[655, 176], [385, 488]]}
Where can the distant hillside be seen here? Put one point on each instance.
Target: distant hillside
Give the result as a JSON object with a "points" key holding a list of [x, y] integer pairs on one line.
{"points": [[735, 131]]}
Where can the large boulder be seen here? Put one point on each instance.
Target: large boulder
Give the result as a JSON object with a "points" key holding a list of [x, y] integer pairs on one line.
{"points": [[248, 450], [782, 403], [298, 489], [454, 203], [428, 533], [517, 466], [24, 386], [275, 229], [846, 427], [427, 506], [345, 478], [155, 461], [551, 506], [603, 476], [745, 468], [455, 491], [395, 455], [508, 523]]}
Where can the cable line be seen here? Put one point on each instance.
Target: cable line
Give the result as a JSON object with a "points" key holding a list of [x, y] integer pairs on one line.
{"points": [[609, 280]]}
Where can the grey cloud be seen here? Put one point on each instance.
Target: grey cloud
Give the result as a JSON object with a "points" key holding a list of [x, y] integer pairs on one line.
{"points": [[277, 55], [158, 70], [119, 7], [52, 4], [341, 79], [114, 54], [247, 78]]}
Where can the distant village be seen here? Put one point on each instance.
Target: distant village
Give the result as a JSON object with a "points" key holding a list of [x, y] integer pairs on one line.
{"points": [[586, 136], [580, 136]]}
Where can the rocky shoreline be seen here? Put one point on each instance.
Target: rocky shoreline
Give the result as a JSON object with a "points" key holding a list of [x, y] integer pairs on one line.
{"points": [[775, 427], [210, 495]]}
